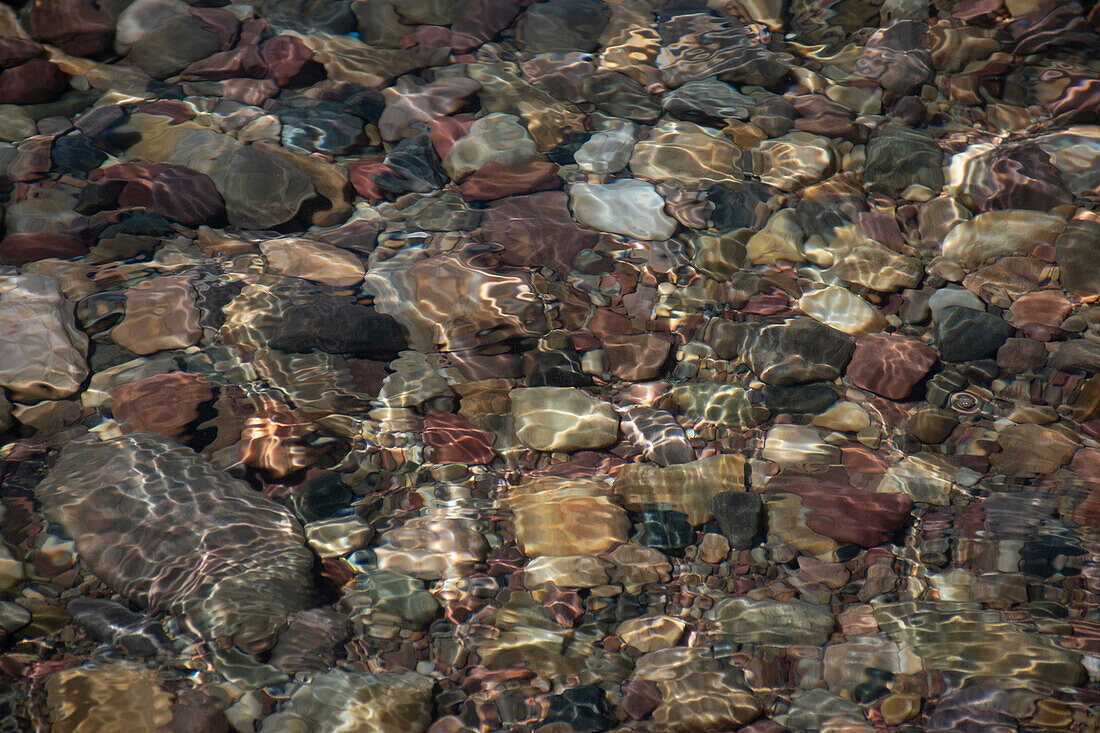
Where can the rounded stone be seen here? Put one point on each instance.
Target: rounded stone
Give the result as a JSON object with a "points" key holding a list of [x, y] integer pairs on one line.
{"points": [[563, 419]]}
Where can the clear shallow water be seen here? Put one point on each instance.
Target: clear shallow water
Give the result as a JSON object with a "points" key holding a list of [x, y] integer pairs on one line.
{"points": [[442, 365]]}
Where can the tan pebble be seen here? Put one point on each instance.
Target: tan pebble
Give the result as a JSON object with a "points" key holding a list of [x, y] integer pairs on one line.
{"points": [[896, 709], [846, 416], [714, 548], [650, 633]]}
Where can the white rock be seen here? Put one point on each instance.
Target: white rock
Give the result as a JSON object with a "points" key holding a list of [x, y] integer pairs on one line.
{"points": [[953, 296], [497, 137], [629, 207], [563, 419], [608, 151], [842, 309], [41, 349]]}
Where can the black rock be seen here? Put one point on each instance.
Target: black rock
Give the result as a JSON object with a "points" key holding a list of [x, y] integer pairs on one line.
{"points": [[76, 155], [563, 25], [740, 517], [620, 96], [965, 334], [816, 218], [558, 365], [801, 350], [898, 157], [708, 102], [663, 529], [319, 126], [585, 709], [323, 497], [335, 326], [799, 399], [416, 167], [108, 622], [734, 208]]}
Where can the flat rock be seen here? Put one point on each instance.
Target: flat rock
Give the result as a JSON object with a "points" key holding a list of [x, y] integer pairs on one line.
{"points": [[802, 350], [992, 235], [564, 517], [889, 365], [384, 702], [964, 334], [688, 154], [168, 531], [314, 261], [773, 622], [861, 260], [500, 138], [842, 309], [794, 160], [607, 151], [563, 419], [42, 352], [629, 207], [160, 314], [687, 487]]}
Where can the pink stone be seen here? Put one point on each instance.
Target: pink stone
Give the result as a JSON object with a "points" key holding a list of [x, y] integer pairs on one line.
{"points": [[361, 173], [33, 82], [285, 56], [173, 191], [1040, 314], [849, 515], [497, 180], [445, 131], [889, 365], [636, 357], [454, 440], [20, 248]]}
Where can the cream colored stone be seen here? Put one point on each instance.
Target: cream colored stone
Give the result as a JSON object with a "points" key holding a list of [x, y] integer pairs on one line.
{"points": [[780, 239], [992, 235], [563, 419], [562, 517], [567, 571], [314, 261], [794, 160], [687, 487], [650, 633], [693, 156], [791, 444], [11, 568], [714, 548], [41, 349], [842, 309], [629, 207], [338, 536], [497, 137], [845, 416]]}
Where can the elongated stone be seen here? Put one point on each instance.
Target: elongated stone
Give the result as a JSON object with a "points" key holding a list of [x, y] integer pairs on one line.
{"points": [[41, 349], [168, 531], [563, 419], [629, 207]]}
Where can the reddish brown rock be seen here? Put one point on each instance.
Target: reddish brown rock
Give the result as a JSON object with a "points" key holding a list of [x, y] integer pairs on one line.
{"points": [[640, 698], [850, 515], [1032, 450], [480, 21], [636, 357], [1019, 355], [14, 51], [173, 191], [536, 230], [33, 82], [445, 131], [454, 440], [362, 173], [221, 23], [1040, 314], [889, 365], [165, 404], [496, 180], [285, 56], [76, 27], [240, 62], [20, 248]]}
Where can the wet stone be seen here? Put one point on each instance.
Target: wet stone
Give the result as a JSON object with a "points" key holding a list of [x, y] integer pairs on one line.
{"points": [[773, 622], [802, 350], [562, 419], [584, 709], [740, 517], [964, 334], [265, 574], [113, 623]]}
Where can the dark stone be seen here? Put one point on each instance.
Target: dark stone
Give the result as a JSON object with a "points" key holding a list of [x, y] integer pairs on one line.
{"points": [[319, 126], [707, 102], [620, 96], [1077, 252], [336, 326], [22, 247], [546, 367], [76, 155], [15, 51], [330, 16], [663, 529], [898, 157], [804, 399], [33, 82], [801, 350], [774, 115], [77, 27], [965, 334], [414, 167], [142, 223], [734, 208], [173, 46], [323, 497], [563, 152], [585, 709], [310, 641], [563, 25], [112, 623], [97, 197], [740, 517], [814, 217], [868, 692]]}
